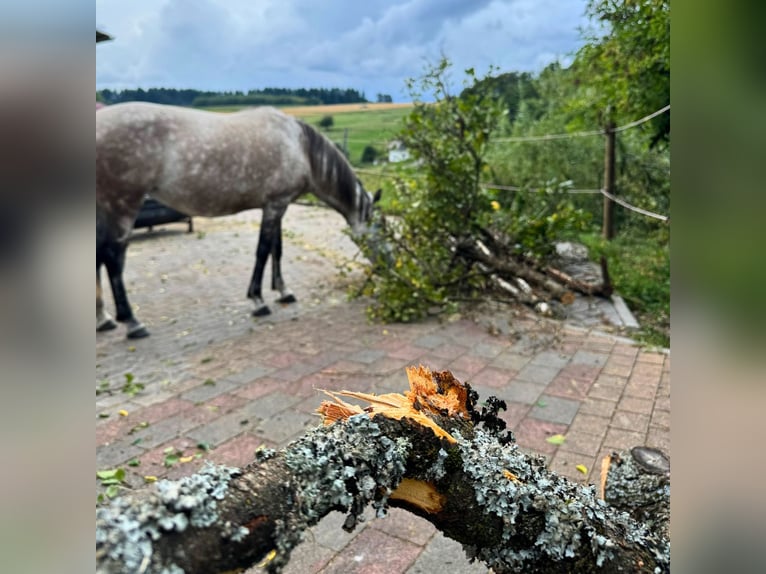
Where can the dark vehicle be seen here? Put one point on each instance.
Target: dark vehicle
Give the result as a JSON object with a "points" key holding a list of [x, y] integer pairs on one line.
{"points": [[154, 213]]}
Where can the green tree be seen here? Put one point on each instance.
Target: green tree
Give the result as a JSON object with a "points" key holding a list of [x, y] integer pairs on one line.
{"points": [[624, 68], [326, 122]]}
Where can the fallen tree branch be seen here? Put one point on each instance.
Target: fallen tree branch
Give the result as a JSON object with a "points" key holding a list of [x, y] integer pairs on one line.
{"points": [[422, 450]]}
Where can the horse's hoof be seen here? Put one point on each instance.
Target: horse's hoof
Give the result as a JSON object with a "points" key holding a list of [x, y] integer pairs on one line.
{"points": [[106, 325], [138, 332], [262, 311], [290, 298]]}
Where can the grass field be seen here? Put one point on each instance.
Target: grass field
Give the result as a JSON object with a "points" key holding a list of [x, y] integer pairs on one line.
{"points": [[367, 124]]}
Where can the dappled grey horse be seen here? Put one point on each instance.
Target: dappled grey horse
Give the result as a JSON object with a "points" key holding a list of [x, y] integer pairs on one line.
{"points": [[209, 164]]}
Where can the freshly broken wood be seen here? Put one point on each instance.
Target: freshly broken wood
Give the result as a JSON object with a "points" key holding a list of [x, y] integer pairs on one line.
{"points": [[423, 450]]}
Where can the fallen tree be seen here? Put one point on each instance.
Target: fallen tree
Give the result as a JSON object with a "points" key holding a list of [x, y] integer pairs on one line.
{"points": [[430, 451]]}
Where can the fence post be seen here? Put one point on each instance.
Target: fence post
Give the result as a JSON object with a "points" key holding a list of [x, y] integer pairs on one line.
{"points": [[609, 158], [345, 141]]}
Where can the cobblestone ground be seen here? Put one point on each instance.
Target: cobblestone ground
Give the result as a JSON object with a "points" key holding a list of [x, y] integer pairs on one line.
{"points": [[213, 375]]}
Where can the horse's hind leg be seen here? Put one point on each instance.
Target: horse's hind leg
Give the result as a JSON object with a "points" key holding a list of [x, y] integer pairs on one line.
{"points": [[114, 259], [277, 283], [104, 321]]}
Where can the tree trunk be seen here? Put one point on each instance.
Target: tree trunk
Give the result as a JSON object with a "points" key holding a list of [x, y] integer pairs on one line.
{"points": [[424, 451]]}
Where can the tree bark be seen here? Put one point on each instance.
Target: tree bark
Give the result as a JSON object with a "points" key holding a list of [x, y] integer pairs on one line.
{"points": [[425, 451]]}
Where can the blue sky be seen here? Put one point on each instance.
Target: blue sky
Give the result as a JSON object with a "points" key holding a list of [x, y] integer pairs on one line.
{"points": [[369, 45]]}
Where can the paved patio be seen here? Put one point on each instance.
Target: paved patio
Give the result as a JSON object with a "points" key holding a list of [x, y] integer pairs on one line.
{"points": [[215, 376]]}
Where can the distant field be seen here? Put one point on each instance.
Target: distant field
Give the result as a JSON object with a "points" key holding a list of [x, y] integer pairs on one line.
{"points": [[302, 111]]}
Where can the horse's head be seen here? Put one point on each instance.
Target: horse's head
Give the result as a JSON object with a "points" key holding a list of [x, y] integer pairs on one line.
{"points": [[367, 224], [361, 218]]}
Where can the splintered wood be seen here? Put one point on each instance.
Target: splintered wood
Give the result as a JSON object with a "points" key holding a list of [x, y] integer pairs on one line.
{"points": [[435, 394]]}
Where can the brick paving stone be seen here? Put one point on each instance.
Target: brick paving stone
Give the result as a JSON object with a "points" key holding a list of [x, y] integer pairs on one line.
{"points": [[636, 405], [661, 418], [286, 426], [531, 433], [236, 452], [630, 421], [222, 429], [623, 439], [305, 559], [330, 534], [521, 392], [541, 374], [116, 453], [662, 402], [488, 350], [209, 390], [431, 341], [443, 555], [492, 377], [373, 552], [554, 409], [658, 438], [590, 358], [367, 356], [269, 405], [250, 374], [259, 388], [405, 525], [387, 366], [649, 357], [408, 352], [582, 443], [619, 370], [640, 389], [514, 414], [608, 393], [565, 463], [551, 359], [600, 407], [450, 351], [590, 424], [294, 372], [510, 361], [469, 364]]}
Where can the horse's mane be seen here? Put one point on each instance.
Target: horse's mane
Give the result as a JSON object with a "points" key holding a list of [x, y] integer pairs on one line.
{"points": [[329, 166]]}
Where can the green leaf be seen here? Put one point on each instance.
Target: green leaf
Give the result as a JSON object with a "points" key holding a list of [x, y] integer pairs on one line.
{"points": [[209, 382], [134, 462], [112, 491], [556, 439]]}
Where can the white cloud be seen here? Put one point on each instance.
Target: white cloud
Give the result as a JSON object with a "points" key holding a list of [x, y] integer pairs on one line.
{"points": [[372, 46]]}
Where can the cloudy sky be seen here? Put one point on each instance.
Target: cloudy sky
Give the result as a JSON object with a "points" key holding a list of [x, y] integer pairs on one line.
{"points": [[368, 45]]}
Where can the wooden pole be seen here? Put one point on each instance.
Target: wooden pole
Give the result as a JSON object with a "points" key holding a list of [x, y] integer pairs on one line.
{"points": [[609, 160]]}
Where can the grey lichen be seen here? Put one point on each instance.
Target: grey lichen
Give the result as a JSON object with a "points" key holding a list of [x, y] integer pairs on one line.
{"points": [[562, 508], [346, 466], [128, 529]]}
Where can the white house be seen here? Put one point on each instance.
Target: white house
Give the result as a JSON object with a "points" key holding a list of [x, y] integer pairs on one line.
{"points": [[397, 152]]}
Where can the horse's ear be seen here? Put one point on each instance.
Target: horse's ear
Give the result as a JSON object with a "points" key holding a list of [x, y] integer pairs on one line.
{"points": [[376, 197]]}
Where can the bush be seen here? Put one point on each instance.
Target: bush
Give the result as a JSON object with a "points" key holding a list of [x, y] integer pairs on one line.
{"points": [[448, 208], [326, 122], [369, 154]]}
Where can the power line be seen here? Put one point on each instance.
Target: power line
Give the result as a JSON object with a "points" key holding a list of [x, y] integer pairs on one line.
{"points": [[548, 137]]}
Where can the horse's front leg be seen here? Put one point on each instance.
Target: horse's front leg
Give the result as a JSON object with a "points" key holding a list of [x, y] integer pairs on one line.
{"points": [[277, 283]]}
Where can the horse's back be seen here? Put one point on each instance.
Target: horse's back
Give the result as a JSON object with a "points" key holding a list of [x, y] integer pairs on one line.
{"points": [[201, 162]]}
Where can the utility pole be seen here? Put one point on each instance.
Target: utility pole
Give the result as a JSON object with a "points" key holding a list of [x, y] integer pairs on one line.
{"points": [[609, 159]]}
